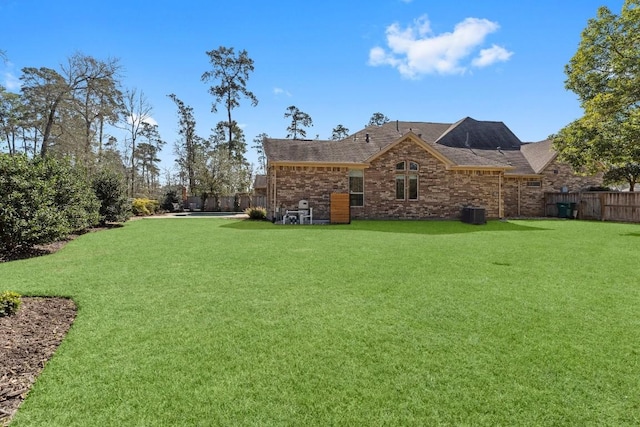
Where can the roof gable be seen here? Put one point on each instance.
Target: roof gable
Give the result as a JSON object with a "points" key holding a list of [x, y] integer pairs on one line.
{"points": [[412, 137], [481, 135], [539, 154]]}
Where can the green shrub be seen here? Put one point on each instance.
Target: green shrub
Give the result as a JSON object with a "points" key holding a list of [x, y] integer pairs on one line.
{"points": [[74, 195], [139, 207], [258, 212], [111, 191], [9, 303], [171, 201], [144, 206], [41, 201]]}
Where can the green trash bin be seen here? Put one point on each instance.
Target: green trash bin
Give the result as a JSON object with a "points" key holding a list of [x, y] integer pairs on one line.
{"points": [[564, 210]]}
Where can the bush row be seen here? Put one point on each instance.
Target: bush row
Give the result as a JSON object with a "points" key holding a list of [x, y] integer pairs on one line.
{"points": [[44, 200]]}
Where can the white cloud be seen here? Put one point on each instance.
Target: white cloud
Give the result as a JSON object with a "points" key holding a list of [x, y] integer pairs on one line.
{"points": [[416, 50], [11, 82], [280, 91], [491, 56], [150, 120], [147, 119]]}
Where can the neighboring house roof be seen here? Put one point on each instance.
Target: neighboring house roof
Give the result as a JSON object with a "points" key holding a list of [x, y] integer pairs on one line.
{"points": [[467, 143], [260, 182]]}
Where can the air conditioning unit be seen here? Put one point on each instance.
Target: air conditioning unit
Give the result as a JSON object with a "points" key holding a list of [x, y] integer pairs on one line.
{"points": [[473, 215]]}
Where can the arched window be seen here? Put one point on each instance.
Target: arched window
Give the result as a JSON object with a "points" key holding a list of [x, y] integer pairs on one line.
{"points": [[407, 181]]}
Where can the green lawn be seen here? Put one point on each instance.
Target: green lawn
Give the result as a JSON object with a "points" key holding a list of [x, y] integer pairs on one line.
{"points": [[225, 322]]}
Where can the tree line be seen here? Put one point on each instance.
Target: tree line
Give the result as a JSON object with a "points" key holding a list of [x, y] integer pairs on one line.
{"points": [[81, 111], [75, 112]]}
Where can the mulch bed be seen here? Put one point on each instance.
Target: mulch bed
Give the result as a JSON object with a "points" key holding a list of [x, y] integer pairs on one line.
{"points": [[28, 340]]}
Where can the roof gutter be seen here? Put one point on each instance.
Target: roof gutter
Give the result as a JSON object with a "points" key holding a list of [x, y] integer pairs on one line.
{"points": [[480, 168], [357, 165], [524, 175]]}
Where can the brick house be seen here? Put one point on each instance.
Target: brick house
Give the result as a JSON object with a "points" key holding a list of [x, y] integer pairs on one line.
{"points": [[419, 170]]}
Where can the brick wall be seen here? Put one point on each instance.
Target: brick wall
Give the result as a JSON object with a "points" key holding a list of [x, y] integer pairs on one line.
{"points": [[521, 199], [558, 175], [311, 183]]}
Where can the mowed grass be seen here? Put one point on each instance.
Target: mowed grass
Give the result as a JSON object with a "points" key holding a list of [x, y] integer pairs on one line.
{"points": [[225, 322]]}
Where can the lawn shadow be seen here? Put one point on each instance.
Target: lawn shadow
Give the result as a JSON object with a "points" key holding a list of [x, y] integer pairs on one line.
{"points": [[435, 227], [252, 224], [432, 227]]}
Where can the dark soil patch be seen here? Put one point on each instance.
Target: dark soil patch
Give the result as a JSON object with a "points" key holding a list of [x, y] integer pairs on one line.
{"points": [[28, 340], [36, 251]]}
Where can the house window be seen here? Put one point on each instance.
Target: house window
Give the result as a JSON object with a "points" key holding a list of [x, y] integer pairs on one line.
{"points": [[407, 183], [356, 188], [400, 184], [534, 184], [413, 187]]}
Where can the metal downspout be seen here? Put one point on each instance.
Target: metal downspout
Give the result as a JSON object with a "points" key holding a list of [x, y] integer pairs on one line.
{"points": [[500, 201], [519, 196], [275, 186]]}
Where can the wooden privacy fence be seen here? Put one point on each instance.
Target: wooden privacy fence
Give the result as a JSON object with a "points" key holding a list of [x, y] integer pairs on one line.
{"points": [[599, 205], [226, 203]]}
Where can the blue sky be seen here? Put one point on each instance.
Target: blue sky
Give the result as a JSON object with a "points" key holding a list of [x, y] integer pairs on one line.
{"points": [[338, 61]]}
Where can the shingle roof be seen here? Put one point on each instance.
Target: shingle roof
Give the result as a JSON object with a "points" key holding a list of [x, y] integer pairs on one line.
{"points": [[482, 135], [287, 150], [513, 158], [488, 144], [539, 154]]}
